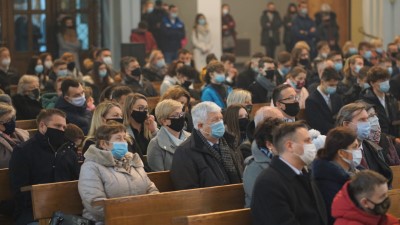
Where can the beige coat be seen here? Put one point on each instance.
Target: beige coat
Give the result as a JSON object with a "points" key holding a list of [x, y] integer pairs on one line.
{"points": [[7, 145], [102, 178]]}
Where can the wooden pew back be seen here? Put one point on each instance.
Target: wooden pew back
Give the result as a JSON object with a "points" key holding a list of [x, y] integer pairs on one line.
{"points": [[26, 124], [162, 208], [394, 196], [256, 107], [64, 196], [152, 102], [5, 188], [231, 217], [396, 177]]}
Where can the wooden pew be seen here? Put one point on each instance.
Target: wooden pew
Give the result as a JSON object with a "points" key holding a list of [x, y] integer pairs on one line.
{"points": [[26, 124], [396, 177], [157, 85], [152, 102], [32, 132], [5, 195], [394, 196], [162, 208], [64, 196], [256, 107], [231, 217]]}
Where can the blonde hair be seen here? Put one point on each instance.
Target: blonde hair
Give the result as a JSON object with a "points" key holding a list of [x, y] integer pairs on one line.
{"points": [[99, 113], [347, 69], [26, 80], [153, 56], [376, 42], [130, 100], [238, 96], [347, 46], [302, 44], [165, 108]]}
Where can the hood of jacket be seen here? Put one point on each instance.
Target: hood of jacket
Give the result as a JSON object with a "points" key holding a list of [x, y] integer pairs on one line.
{"points": [[165, 142], [258, 155], [344, 209], [105, 158]]}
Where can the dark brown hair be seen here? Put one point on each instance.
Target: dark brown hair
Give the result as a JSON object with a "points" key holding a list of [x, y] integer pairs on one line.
{"points": [[337, 139]]}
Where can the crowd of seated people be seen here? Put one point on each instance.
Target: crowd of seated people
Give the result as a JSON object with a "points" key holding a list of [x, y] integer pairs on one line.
{"points": [[309, 134]]}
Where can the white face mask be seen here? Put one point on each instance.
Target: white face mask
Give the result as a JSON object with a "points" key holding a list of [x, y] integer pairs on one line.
{"points": [[310, 151], [78, 101], [6, 62], [107, 60], [357, 157], [48, 64]]}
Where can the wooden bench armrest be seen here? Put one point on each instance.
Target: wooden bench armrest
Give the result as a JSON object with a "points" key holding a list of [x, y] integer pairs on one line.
{"points": [[26, 188]]}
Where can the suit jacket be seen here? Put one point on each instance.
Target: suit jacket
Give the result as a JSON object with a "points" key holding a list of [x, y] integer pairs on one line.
{"points": [[280, 196], [318, 114]]}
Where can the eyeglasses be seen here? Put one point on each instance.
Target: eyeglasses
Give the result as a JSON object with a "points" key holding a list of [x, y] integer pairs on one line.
{"points": [[293, 98], [177, 116]]}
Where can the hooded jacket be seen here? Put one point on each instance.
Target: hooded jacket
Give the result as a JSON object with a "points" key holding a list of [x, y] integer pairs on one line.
{"points": [[75, 114], [347, 213], [102, 177]]}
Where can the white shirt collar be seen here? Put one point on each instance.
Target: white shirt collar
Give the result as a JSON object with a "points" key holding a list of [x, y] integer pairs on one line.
{"points": [[297, 171]]}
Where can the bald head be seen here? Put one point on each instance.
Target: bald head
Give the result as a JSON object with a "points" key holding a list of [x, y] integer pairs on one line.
{"points": [[267, 112]]}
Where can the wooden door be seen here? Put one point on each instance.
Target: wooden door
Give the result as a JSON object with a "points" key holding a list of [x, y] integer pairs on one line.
{"points": [[342, 10], [29, 27]]}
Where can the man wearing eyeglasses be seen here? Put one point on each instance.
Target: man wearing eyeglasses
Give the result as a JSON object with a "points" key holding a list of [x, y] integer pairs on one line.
{"points": [[285, 99]]}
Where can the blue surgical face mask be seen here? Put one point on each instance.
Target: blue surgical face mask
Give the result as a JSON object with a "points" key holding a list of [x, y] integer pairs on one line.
{"points": [[174, 15], [304, 11], [331, 90], [102, 73], [338, 66], [160, 63], [285, 70], [384, 86], [219, 78], [379, 50], [202, 21], [365, 86], [390, 70], [78, 101], [39, 69], [119, 149], [352, 51], [367, 55], [62, 73], [363, 129], [150, 10], [358, 68], [217, 129]]}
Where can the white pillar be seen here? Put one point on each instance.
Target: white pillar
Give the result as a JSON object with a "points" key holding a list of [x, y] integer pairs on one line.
{"points": [[212, 11], [130, 17]]}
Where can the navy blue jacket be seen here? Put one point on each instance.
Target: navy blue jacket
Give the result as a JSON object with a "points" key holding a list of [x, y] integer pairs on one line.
{"points": [[305, 24], [172, 35], [76, 115], [329, 178]]}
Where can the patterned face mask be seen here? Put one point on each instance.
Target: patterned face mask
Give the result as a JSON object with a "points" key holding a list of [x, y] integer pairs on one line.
{"points": [[375, 133]]}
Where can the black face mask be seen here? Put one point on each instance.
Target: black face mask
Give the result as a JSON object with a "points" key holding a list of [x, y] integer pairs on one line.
{"points": [[304, 62], [243, 122], [118, 120], [269, 74], [381, 208], [34, 95], [9, 127], [291, 109], [186, 84], [394, 54], [136, 72], [139, 116], [177, 124], [56, 137], [71, 66]]}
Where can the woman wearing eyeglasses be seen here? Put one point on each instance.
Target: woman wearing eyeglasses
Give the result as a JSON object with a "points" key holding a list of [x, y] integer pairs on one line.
{"points": [[140, 126], [162, 147]]}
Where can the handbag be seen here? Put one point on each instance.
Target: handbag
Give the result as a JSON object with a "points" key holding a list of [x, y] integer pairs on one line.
{"points": [[59, 218]]}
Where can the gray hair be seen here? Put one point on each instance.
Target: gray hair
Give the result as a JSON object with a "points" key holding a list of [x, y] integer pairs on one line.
{"points": [[6, 109], [201, 110], [24, 81], [347, 111], [238, 96], [267, 112]]}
